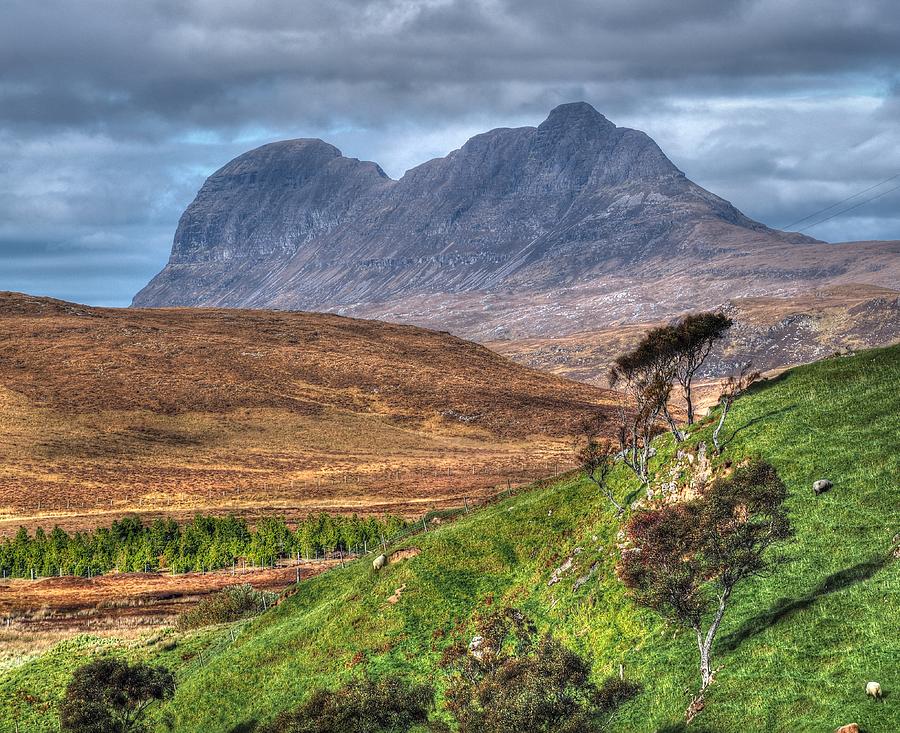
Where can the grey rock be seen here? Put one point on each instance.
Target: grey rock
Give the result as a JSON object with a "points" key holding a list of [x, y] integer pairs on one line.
{"points": [[295, 224], [477, 646]]}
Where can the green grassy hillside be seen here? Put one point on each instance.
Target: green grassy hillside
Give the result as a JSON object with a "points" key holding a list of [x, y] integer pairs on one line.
{"points": [[796, 648]]}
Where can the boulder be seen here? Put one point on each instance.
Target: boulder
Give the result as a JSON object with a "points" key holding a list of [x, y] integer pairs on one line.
{"points": [[476, 646], [821, 486]]}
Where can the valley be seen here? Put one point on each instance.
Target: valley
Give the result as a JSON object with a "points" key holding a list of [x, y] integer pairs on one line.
{"points": [[799, 644]]}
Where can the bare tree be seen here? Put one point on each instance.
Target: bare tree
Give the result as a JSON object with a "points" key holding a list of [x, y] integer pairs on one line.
{"points": [[597, 457], [644, 396], [734, 386]]}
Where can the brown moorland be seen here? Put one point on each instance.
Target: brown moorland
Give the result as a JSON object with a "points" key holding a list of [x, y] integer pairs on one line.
{"points": [[105, 412]]}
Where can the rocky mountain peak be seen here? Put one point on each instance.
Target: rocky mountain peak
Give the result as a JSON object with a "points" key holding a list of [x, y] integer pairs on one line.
{"points": [[575, 115]]}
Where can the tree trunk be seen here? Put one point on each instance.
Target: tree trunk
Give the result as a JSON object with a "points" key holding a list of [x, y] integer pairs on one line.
{"points": [[689, 401], [705, 641], [705, 674], [619, 508], [679, 436], [725, 405]]}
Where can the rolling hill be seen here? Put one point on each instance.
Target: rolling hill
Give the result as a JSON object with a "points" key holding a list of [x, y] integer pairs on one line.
{"points": [[105, 411], [795, 651]]}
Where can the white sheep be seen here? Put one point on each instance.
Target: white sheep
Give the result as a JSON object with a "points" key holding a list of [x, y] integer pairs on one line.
{"points": [[379, 562], [873, 689]]}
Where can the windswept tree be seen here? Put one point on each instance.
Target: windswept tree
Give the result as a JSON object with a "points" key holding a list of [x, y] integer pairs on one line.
{"points": [[688, 558], [647, 374], [694, 337], [597, 457], [111, 696]]}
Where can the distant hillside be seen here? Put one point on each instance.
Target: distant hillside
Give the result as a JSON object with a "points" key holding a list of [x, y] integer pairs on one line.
{"points": [[525, 232], [770, 332], [106, 410], [796, 649]]}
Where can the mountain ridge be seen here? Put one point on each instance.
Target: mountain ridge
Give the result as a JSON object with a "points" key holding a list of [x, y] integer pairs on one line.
{"points": [[296, 225]]}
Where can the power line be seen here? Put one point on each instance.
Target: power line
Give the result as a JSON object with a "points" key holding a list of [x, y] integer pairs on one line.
{"points": [[843, 201], [855, 206]]}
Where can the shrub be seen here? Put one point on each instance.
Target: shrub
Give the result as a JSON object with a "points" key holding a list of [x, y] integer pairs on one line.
{"points": [[615, 692], [229, 604], [111, 696], [505, 680], [388, 705], [688, 558]]}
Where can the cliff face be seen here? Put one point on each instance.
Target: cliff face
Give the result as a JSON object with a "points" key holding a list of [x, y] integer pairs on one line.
{"points": [[571, 204], [268, 202]]}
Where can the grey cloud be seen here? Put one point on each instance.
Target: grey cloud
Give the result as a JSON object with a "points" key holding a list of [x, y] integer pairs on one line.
{"points": [[111, 114]]}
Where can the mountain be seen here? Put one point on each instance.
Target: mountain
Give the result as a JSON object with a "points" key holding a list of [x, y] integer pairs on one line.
{"points": [[108, 411], [521, 231]]}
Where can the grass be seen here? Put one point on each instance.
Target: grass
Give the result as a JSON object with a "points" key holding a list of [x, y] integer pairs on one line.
{"points": [[796, 648]]}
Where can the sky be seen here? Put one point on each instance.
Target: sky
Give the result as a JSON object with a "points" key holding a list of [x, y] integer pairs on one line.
{"points": [[112, 114]]}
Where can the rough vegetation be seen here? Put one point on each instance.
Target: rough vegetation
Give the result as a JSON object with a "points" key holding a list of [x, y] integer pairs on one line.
{"points": [[794, 651], [108, 412], [111, 696], [389, 705], [509, 679], [229, 604]]}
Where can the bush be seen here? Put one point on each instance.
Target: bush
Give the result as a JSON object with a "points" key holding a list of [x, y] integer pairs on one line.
{"points": [[615, 692], [504, 681], [229, 604], [388, 705], [110, 696]]}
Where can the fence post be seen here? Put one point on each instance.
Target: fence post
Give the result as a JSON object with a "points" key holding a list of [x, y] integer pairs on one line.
{"points": [[424, 526]]}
